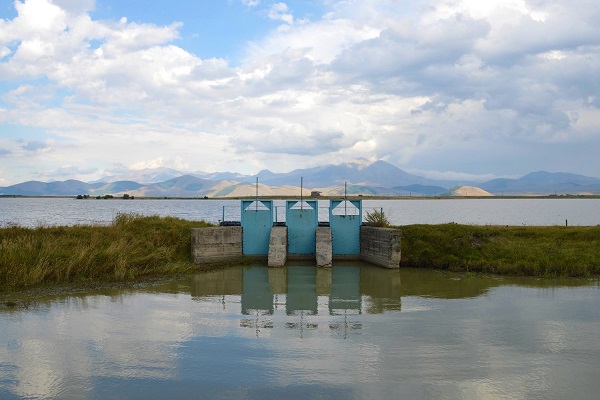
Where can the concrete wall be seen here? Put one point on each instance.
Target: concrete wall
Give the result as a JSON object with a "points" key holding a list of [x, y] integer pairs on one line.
{"points": [[278, 244], [218, 244], [323, 246], [380, 246]]}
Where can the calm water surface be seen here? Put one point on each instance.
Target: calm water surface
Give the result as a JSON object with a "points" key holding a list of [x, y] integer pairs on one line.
{"points": [[351, 332], [34, 212]]}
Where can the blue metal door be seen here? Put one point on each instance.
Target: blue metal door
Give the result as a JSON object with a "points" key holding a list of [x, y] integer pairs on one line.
{"points": [[302, 220], [257, 220], [345, 219]]}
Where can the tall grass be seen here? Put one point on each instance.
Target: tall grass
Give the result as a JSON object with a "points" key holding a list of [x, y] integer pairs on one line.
{"points": [[536, 251], [136, 246], [133, 246]]}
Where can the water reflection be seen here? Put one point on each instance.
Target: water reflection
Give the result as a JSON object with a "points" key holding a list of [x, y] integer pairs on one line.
{"points": [[303, 294], [354, 331], [352, 288], [301, 291], [256, 294]]}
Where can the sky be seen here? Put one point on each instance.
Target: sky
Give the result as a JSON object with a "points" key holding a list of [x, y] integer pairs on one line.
{"points": [[457, 89]]}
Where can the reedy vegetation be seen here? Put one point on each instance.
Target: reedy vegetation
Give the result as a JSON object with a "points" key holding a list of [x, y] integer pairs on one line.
{"points": [[528, 250], [132, 247]]}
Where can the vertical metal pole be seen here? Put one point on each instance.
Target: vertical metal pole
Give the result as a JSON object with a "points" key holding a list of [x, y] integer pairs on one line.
{"points": [[301, 197], [345, 198], [223, 215], [256, 201]]}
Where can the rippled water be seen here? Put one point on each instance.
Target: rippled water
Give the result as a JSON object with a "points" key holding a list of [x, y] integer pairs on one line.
{"points": [[67, 211], [352, 332]]}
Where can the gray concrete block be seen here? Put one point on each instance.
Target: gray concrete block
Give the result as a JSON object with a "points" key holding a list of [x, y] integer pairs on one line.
{"points": [[380, 246], [216, 244], [278, 246], [324, 247]]}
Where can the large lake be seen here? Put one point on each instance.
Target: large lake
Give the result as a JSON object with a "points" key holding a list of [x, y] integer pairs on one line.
{"points": [[351, 332], [34, 212]]}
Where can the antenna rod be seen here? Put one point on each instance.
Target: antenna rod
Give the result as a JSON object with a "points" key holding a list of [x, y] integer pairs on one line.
{"points": [[345, 198], [301, 198]]}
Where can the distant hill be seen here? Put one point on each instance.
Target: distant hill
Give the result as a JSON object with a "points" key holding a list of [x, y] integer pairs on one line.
{"points": [[36, 188], [418, 190], [116, 187], [360, 176], [544, 183], [466, 191], [183, 186], [357, 172]]}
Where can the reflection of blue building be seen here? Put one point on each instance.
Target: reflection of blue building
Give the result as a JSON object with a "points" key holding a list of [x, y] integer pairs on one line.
{"points": [[256, 296], [302, 290], [345, 290], [349, 289]]}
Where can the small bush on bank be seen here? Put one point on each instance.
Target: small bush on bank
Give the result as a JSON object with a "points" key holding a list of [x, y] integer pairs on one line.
{"points": [[377, 218]]}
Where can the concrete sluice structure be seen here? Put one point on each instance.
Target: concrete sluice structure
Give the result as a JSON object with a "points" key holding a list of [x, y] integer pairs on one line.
{"points": [[301, 236]]}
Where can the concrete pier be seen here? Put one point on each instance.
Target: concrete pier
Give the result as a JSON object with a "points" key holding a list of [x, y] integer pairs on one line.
{"points": [[218, 244], [380, 246], [301, 236], [278, 243], [324, 246]]}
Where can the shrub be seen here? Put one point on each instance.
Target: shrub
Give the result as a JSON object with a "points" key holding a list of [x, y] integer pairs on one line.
{"points": [[377, 218]]}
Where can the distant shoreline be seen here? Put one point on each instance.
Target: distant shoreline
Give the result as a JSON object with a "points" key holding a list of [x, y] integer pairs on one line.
{"points": [[353, 197]]}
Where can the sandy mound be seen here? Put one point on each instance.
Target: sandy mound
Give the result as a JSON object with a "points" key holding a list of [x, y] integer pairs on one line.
{"points": [[469, 191]]}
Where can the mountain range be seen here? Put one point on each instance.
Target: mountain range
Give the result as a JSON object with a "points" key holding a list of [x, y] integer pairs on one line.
{"points": [[355, 177]]}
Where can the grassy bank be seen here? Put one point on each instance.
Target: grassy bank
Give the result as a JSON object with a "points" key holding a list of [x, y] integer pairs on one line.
{"points": [[132, 247], [534, 251]]}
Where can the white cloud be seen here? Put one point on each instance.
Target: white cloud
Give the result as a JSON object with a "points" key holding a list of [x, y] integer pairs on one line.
{"points": [[322, 41], [4, 51], [411, 82], [76, 7], [70, 172], [158, 162], [281, 12], [37, 17], [250, 3]]}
